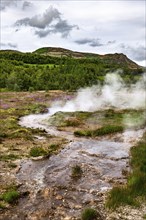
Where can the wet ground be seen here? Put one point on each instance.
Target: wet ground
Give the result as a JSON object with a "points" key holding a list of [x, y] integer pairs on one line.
{"points": [[50, 191]]}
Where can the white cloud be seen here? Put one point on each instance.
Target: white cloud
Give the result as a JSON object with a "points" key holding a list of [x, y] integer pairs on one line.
{"points": [[118, 22]]}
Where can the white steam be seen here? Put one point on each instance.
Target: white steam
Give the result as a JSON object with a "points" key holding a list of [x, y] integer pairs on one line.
{"points": [[113, 94]]}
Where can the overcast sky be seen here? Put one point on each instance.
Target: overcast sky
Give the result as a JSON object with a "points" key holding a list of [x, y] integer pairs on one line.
{"points": [[91, 26]]}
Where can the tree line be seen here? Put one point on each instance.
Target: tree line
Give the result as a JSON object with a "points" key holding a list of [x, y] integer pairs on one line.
{"points": [[28, 72]]}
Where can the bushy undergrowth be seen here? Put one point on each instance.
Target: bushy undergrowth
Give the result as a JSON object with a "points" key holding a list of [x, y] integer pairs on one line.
{"points": [[135, 190]]}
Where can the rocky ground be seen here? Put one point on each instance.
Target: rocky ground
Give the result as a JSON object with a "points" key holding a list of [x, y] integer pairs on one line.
{"points": [[48, 184]]}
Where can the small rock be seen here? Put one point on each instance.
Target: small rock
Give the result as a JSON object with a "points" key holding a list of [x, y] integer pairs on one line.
{"points": [[67, 218], [59, 197], [77, 206]]}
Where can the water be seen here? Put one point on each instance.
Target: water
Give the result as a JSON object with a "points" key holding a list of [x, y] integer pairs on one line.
{"points": [[102, 162]]}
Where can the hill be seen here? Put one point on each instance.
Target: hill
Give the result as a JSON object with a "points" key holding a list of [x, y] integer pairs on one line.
{"points": [[61, 69], [120, 58]]}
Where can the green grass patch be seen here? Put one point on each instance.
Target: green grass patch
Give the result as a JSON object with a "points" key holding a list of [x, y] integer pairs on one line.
{"points": [[119, 196], [8, 157], [53, 148], [108, 129], [135, 190], [37, 151], [10, 196], [76, 172], [87, 133], [90, 214], [37, 108]]}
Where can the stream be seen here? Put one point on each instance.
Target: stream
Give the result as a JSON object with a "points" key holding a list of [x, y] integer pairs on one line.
{"points": [[53, 193]]}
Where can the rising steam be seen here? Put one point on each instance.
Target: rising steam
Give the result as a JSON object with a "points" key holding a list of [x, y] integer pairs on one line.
{"points": [[113, 94]]}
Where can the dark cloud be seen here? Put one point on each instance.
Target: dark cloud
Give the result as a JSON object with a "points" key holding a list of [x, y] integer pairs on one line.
{"points": [[43, 33], [8, 45], [40, 21], [61, 27], [93, 42], [137, 53], [90, 42], [49, 22]]}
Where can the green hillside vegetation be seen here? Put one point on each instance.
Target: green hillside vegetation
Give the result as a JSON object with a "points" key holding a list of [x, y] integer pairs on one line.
{"points": [[67, 70]]}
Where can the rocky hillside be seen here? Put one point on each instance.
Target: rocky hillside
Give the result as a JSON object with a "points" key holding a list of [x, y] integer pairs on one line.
{"points": [[118, 58]]}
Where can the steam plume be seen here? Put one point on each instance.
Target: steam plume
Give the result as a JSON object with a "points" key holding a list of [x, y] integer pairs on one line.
{"points": [[113, 94]]}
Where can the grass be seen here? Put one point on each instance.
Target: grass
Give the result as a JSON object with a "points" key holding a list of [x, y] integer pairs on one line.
{"points": [[73, 122], [53, 148], [89, 214], [10, 196], [107, 129], [76, 172], [12, 165], [2, 205], [135, 190], [87, 133], [8, 157], [37, 151]]}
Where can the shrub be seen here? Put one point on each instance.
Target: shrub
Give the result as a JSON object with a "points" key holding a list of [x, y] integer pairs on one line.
{"points": [[89, 214]]}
